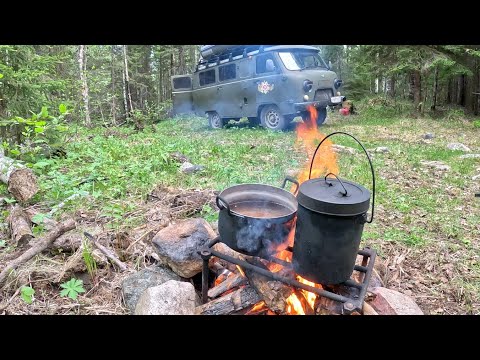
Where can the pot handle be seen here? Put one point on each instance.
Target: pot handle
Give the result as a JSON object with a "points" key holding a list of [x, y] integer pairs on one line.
{"points": [[369, 161], [292, 180], [223, 204]]}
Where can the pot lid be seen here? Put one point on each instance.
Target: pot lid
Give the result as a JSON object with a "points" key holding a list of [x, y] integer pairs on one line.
{"points": [[333, 196]]}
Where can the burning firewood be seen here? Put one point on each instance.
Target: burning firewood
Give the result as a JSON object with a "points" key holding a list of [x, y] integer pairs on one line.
{"points": [[228, 304], [274, 293], [230, 283]]}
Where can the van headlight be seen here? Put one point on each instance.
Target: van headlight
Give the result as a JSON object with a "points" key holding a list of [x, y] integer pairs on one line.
{"points": [[307, 85], [306, 98]]}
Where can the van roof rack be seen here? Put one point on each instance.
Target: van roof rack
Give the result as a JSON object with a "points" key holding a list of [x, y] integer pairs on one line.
{"points": [[228, 54]]}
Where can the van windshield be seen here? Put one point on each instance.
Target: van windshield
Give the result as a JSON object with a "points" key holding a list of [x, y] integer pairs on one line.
{"points": [[300, 60]]}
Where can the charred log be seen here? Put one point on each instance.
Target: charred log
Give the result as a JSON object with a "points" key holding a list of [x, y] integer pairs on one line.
{"points": [[233, 302]]}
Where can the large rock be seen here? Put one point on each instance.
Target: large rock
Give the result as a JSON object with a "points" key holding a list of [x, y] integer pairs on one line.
{"points": [[391, 302], [177, 245], [134, 285], [458, 146], [170, 298], [438, 165]]}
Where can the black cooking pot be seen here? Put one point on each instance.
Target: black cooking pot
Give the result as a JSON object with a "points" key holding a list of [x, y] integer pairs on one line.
{"points": [[330, 218], [255, 219]]}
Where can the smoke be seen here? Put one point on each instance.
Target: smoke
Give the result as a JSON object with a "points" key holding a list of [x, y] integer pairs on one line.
{"points": [[261, 235]]}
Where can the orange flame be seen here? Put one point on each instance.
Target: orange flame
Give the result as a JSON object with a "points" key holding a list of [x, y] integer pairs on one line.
{"points": [[294, 305], [309, 136]]}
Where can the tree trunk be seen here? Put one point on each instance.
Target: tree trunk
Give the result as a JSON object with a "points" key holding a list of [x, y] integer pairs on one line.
{"points": [[21, 181], [461, 90], [390, 87], [127, 82], [416, 89], [82, 63], [181, 60], [435, 89], [112, 76]]}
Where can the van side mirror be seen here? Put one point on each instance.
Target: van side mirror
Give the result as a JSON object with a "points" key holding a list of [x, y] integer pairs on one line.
{"points": [[269, 65], [329, 64]]}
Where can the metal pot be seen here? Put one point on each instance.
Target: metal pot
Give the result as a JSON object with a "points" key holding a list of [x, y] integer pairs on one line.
{"points": [[330, 219], [255, 219]]}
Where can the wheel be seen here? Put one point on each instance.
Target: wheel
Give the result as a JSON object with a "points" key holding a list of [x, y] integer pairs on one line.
{"points": [[322, 115], [272, 119], [215, 121]]}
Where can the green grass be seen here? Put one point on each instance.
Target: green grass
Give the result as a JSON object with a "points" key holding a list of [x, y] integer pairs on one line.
{"points": [[417, 207]]}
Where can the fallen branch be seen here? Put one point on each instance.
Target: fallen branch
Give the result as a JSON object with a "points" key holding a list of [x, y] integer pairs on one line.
{"points": [[39, 246], [21, 181], [19, 224], [108, 253], [230, 283]]}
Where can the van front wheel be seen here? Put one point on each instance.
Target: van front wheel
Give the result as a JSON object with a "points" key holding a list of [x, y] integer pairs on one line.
{"points": [[215, 121], [272, 118]]}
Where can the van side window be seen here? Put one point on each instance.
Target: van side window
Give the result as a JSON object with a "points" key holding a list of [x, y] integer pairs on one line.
{"points": [[182, 83], [262, 61], [207, 77], [227, 72]]}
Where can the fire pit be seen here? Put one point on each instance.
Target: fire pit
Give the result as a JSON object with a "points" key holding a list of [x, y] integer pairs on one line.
{"points": [[312, 243], [356, 289]]}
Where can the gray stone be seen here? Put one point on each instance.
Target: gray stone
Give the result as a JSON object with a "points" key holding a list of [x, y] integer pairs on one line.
{"points": [[170, 298], [189, 168], [391, 302], [177, 245], [458, 146], [470, 156], [476, 177], [343, 149], [428, 136], [438, 165], [134, 285], [382, 149]]}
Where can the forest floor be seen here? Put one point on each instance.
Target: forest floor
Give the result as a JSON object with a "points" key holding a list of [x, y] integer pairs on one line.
{"points": [[426, 227]]}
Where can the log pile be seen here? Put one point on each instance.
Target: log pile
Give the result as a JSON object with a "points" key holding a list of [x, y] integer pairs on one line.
{"points": [[21, 182]]}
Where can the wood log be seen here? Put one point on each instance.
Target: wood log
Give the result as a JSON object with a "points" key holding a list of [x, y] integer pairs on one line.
{"points": [[228, 304], [42, 244], [273, 292], [21, 181], [19, 225], [230, 283]]}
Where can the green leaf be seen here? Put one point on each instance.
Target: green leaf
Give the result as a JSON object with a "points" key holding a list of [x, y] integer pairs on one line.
{"points": [[41, 164], [9, 200], [27, 294], [1, 76], [44, 112], [3, 243], [38, 218], [62, 108], [72, 288], [39, 130]]}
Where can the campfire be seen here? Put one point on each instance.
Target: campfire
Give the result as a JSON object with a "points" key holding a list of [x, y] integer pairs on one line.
{"points": [[259, 283]]}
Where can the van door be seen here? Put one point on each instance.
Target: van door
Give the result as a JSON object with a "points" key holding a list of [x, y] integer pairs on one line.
{"points": [[182, 94], [267, 79], [234, 98]]}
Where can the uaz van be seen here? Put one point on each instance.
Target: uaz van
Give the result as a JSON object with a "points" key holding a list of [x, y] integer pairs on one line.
{"points": [[268, 84]]}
